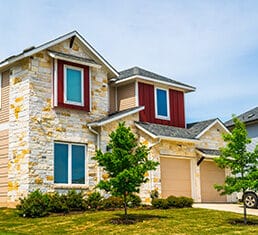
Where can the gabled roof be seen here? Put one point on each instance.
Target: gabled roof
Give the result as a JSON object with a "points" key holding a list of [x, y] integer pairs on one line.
{"points": [[136, 72], [193, 131], [115, 116], [160, 131], [247, 117], [33, 50]]}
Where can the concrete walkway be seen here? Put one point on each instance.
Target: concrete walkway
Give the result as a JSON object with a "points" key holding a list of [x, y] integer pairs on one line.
{"points": [[237, 208]]}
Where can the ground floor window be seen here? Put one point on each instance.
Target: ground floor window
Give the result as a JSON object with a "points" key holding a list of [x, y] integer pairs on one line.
{"points": [[69, 163]]}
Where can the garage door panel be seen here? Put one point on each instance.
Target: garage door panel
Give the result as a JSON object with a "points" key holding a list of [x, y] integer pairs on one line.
{"points": [[175, 177], [211, 174]]}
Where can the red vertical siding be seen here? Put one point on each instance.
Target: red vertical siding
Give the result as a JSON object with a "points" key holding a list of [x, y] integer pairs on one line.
{"points": [[60, 95], [176, 101], [146, 98]]}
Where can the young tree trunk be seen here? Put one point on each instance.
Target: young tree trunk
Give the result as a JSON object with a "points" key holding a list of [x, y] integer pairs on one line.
{"points": [[245, 220]]}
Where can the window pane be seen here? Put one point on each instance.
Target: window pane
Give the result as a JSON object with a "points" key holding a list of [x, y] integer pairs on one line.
{"points": [[78, 164], [61, 163], [73, 85], [162, 103]]}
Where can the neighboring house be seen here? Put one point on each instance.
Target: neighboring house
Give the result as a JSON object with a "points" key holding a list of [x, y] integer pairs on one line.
{"points": [[61, 100], [250, 119]]}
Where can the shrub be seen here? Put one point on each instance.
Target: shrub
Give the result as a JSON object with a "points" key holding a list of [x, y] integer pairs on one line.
{"points": [[112, 202], [133, 201], [179, 202], [185, 202], [172, 201], [94, 201], [154, 194], [36, 204], [58, 203], [75, 201], [160, 203]]}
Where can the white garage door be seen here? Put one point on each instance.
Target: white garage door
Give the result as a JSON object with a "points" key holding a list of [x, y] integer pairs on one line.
{"points": [[175, 177], [210, 175]]}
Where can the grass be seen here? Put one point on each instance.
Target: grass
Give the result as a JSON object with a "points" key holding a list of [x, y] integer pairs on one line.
{"points": [[174, 221]]}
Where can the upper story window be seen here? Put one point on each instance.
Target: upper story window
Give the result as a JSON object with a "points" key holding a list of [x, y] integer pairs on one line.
{"points": [[73, 85], [161, 104], [69, 163]]}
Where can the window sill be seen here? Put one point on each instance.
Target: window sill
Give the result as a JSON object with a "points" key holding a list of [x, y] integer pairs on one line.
{"points": [[71, 186], [163, 118]]}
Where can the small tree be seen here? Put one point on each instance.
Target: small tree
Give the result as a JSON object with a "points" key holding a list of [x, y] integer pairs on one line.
{"points": [[241, 163], [126, 164]]}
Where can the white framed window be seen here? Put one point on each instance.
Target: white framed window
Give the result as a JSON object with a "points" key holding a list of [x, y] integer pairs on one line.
{"points": [[73, 85], [162, 110], [69, 163]]}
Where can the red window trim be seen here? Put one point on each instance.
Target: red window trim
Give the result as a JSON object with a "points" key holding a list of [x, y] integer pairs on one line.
{"points": [[60, 84]]}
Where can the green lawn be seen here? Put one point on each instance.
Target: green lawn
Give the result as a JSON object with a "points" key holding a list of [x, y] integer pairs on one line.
{"points": [[173, 221]]}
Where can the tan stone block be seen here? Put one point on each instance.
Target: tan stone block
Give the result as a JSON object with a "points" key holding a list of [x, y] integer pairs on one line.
{"points": [[75, 47], [47, 109], [50, 178], [12, 186], [147, 200], [16, 111], [19, 99], [16, 80], [44, 64], [60, 129], [40, 55], [38, 180]]}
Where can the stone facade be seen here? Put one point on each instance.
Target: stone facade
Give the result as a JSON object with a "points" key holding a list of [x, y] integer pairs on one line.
{"points": [[35, 125]]}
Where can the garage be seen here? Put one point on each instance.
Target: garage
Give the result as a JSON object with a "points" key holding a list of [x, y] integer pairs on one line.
{"points": [[211, 174], [3, 166], [175, 177]]}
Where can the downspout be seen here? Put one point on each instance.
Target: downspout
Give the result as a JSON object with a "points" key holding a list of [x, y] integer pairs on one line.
{"points": [[98, 147]]}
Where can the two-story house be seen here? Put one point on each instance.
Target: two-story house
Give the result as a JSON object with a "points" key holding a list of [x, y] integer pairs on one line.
{"points": [[60, 101]]}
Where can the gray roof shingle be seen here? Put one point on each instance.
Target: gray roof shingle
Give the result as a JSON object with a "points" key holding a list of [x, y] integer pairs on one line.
{"points": [[213, 152], [142, 72], [249, 116], [191, 132], [197, 127], [167, 131]]}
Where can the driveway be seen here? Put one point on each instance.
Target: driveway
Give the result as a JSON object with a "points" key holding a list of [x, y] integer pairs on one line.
{"points": [[237, 208]]}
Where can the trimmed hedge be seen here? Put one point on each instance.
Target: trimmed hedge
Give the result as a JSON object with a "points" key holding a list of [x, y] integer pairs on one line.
{"points": [[172, 202], [38, 204]]}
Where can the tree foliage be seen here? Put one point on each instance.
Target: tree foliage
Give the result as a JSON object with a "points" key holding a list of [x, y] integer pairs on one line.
{"points": [[126, 164], [241, 163]]}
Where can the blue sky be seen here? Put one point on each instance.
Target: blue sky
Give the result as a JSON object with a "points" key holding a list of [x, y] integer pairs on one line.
{"points": [[212, 45]]}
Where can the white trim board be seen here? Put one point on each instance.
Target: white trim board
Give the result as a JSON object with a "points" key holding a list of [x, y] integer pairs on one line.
{"points": [[116, 117], [182, 87]]}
